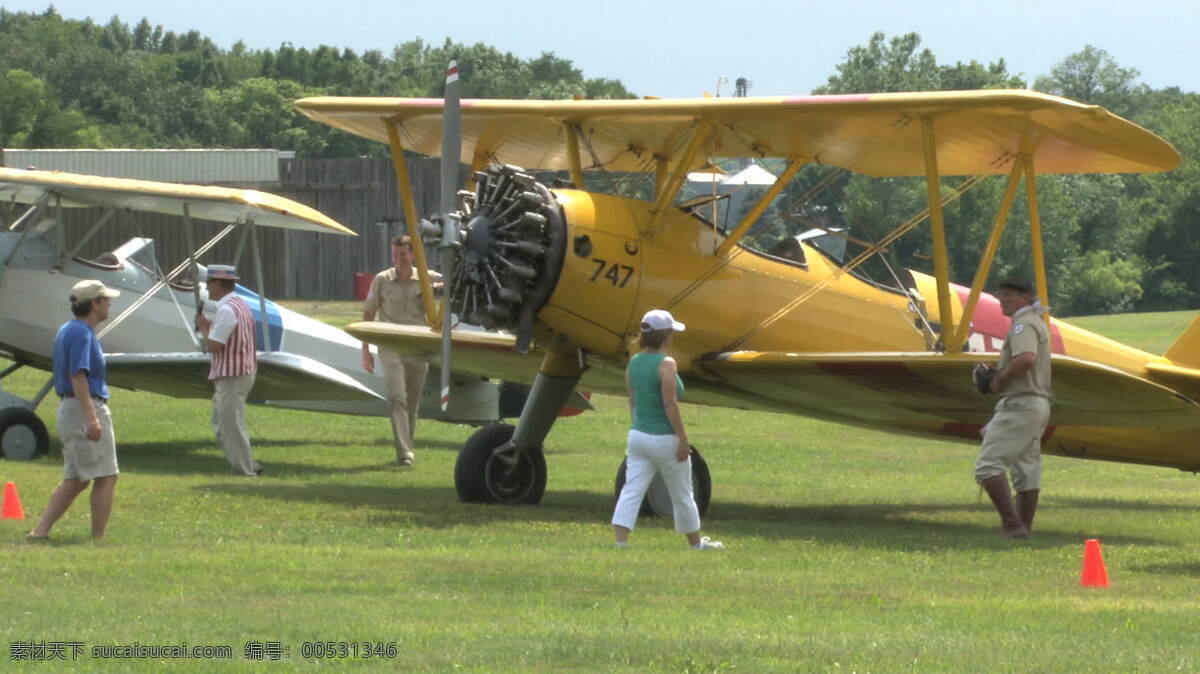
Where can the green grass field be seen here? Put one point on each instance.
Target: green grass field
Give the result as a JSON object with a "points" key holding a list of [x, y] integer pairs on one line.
{"points": [[848, 550]]}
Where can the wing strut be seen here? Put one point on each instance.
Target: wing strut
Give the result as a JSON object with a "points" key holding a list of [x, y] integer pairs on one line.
{"points": [[794, 165], [959, 190], [108, 214], [663, 199], [241, 247], [190, 237], [410, 220], [60, 227], [572, 138], [661, 164], [179, 269], [941, 260], [989, 254], [33, 214], [1035, 236], [1022, 166], [258, 280]]}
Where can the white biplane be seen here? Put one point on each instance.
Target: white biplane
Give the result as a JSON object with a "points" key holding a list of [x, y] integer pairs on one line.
{"points": [[149, 341]]}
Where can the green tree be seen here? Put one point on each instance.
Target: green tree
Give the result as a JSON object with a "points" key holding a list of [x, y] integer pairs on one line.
{"points": [[1171, 205], [24, 100], [1092, 76], [873, 207], [1099, 282]]}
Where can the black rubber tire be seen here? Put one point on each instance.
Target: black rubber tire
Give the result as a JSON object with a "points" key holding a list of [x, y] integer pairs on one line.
{"points": [[23, 436], [480, 477], [701, 488]]}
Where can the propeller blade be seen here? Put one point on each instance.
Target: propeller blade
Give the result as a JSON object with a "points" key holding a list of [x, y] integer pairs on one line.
{"points": [[451, 154]]}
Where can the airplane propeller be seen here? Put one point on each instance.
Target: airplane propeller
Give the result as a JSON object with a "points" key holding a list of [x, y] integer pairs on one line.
{"points": [[501, 246], [449, 245]]}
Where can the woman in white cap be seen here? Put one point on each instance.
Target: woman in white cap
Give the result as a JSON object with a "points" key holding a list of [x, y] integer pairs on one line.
{"points": [[658, 442]]}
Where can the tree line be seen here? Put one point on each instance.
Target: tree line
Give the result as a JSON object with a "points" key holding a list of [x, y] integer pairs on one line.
{"points": [[1114, 242], [70, 83]]}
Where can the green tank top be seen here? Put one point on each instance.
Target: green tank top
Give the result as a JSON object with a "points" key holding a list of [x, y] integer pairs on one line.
{"points": [[648, 413]]}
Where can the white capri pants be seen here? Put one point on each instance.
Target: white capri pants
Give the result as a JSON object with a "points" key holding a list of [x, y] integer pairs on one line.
{"points": [[649, 454]]}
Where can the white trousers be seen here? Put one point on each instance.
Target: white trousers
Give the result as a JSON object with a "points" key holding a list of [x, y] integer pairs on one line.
{"points": [[647, 455], [229, 422]]}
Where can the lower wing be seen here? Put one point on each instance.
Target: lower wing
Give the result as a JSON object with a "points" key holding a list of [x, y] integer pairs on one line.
{"points": [[903, 389], [484, 354], [281, 376]]}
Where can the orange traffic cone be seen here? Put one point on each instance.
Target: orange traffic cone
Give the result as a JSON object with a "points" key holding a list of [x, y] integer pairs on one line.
{"points": [[1094, 574], [12, 509]]}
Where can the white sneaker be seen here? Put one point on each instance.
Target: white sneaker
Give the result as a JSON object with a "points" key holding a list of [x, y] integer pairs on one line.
{"points": [[707, 543]]}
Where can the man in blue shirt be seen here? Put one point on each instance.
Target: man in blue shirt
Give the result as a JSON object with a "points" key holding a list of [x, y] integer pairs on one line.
{"points": [[84, 423]]}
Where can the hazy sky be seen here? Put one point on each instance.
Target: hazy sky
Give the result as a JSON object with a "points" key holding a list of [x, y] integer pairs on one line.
{"points": [[667, 48]]}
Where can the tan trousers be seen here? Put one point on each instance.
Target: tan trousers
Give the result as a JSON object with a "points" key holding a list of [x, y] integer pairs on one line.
{"points": [[84, 459], [229, 422], [405, 381], [1012, 441]]}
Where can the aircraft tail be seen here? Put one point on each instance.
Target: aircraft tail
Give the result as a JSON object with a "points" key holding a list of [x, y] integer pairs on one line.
{"points": [[1186, 349]]}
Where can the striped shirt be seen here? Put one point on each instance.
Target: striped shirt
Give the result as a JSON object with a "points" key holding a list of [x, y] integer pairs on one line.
{"points": [[233, 326]]}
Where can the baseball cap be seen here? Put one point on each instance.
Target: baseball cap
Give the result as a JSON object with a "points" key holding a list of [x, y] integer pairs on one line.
{"points": [[90, 290], [661, 319], [221, 271]]}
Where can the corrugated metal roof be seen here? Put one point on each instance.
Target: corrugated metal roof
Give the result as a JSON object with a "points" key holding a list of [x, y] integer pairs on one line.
{"points": [[186, 166]]}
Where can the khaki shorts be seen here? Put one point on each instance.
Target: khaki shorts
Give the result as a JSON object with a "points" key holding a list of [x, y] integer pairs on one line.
{"points": [[1012, 441], [84, 459]]}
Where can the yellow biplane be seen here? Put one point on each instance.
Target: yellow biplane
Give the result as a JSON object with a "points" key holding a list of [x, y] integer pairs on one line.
{"points": [[571, 271]]}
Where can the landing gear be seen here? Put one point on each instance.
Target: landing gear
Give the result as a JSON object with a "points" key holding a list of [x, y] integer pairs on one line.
{"points": [[658, 499], [23, 436], [511, 477], [505, 464]]}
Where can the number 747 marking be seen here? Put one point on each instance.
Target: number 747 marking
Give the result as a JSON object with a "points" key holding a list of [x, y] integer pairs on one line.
{"points": [[613, 275]]}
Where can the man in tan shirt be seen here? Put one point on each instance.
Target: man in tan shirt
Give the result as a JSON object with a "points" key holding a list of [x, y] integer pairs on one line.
{"points": [[395, 297], [1012, 440]]}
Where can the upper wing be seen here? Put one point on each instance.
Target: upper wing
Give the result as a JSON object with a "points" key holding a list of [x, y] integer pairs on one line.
{"points": [[481, 354], [977, 132], [281, 376], [207, 202], [906, 389]]}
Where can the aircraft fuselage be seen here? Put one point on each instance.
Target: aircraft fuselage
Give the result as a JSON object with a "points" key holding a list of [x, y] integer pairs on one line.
{"points": [[726, 304]]}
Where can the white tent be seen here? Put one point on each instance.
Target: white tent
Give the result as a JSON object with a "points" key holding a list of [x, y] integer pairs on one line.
{"points": [[705, 177], [751, 175]]}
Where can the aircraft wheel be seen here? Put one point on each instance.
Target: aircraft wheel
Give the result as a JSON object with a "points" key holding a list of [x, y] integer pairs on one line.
{"points": [[22, 434], [480, 476], [658, 500]]}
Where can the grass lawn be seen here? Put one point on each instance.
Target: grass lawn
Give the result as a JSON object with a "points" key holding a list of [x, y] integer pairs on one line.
{"points": [[848, 550]]}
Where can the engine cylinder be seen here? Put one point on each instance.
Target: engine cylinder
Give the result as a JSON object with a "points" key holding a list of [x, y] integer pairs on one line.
{"points": [[513, 243]]}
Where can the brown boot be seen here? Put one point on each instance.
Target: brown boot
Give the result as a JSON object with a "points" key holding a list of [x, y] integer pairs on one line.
{"points": [[1026, 506], [1010, 524]]}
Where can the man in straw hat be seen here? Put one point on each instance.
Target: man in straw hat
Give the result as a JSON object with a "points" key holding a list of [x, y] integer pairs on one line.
{"points": [[230, 339], [84, 422], [1012, 440]]}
